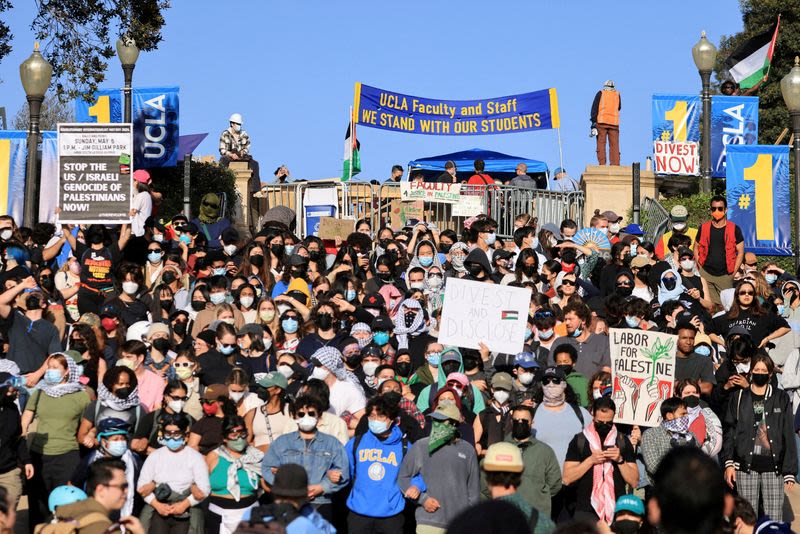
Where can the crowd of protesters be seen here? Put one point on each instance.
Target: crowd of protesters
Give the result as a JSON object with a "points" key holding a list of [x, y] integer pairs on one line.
{"points": [[173, 377]]}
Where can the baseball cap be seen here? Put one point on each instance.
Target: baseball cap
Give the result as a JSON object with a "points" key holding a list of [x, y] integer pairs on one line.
{"points": [[382, 323], [611, 216], [684, 251], [215, 392], [633, 229], [461, 378], [639, 261], [554, 372], [109, 310], [503, 456], [700, 339], [502, 381], [373, 300], [678, 213], [296, 260], [273, 379], [526, 360], [446, 411], [558, 170], [450, 355], [628, 503], [291, 480], [157, 328], [251, 328], [141, 176]]}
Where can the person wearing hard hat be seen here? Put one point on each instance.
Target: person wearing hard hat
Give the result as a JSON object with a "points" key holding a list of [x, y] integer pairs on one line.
{"points": [[678, 216], [605, 122], [234, 145]]}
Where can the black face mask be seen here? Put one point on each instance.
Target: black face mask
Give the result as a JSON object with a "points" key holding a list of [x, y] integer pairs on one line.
{"points": [[692, 401], [166, 304], [180, 328], [324, 321], [79, 346], [391, 255], [528, 270], [603, 428], [470, 363], [277, 250], [567, 369], [450, 367], [444, 249], [403, 368], [392, 397], [759, 379], [670, 283], [123, 393], [409, 318], [263, 394], [353, 361], [257, 260], [299, 272], [625, 526], [475, 269], [169, 277], [520, 430], [624, 291], [315, 255], [161, 345], [47, 283], [385, 276], [198, 305]]}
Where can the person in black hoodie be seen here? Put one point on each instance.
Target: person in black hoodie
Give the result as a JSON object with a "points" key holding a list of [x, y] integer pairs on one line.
{"points": [[758, 446], [13, 449], [215, 366], [478, 267]]}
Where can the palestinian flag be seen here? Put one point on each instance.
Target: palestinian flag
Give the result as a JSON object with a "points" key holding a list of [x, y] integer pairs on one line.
{"points": [[509, 315], [352, 158], [750, 62]]}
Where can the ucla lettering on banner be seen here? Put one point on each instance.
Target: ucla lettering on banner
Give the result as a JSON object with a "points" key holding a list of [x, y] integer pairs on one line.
{"points": [[734, 121], [758, 197], [155, 117], [387, 110], [676, 134]]}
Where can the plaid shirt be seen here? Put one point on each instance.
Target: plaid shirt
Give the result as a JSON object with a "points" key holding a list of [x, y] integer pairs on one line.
{"points": [[228, 144], [411, 409]]}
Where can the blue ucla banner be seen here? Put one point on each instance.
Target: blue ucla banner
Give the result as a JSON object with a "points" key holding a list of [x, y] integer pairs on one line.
{"points": [[758, 197], [734, 121], [676, 118], [156, 114], [387, 110], [13, 161]]}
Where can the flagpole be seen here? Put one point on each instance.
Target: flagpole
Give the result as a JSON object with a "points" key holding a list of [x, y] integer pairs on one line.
{"points": [[777, 28], [560, 149]]}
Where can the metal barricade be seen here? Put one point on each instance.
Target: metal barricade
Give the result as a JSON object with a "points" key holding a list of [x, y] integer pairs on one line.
{"points": [[272, 195], [655, 219]]}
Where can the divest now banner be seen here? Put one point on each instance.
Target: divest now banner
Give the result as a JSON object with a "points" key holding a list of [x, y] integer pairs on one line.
{"points": [[676, 134], [155, 115], [387, 110], [758, 197], [13, 161], [734, 121]]}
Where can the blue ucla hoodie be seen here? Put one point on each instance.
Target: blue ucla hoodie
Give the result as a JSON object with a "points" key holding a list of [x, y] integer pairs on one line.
{"points": [[374, 474]]}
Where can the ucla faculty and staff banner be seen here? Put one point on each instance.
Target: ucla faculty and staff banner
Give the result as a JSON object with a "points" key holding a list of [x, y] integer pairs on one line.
{"points": [[758, 197], [734, 121], [155, 121], [388, 110], [13, 153]]}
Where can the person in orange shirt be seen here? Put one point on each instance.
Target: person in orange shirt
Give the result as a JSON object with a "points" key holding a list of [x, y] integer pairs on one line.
{"points": [[605, 122]]}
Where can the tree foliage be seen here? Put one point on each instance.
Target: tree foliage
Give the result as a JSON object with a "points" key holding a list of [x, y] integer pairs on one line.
{"points": [[78, 37], [758, 15], [53, 111]]}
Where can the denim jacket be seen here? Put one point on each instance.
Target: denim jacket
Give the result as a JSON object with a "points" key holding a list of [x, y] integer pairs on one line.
{"points": [[318, 456]]}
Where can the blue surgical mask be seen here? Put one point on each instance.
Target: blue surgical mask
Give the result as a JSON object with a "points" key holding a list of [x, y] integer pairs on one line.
{"points": [[577, 332], [426, 261], [632, 321], [217, 298], [227, 351], [378, 427], [434, 358], [174, 444], [546, 334], [491, 238], [288, 249], [289, 325], [154, 257], [703, 350], [771, 278], [781, 309], [350, 295], [117, 448], [633, 249], [535, 242], [219, 271], [53, 376], [380, 338], [528, 334]]}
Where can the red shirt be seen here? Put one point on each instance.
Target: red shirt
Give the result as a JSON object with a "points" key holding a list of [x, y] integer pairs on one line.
{"points": [[480, 179]]}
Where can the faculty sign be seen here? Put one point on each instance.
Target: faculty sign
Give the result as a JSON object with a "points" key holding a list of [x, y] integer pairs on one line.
{"points": [[94, 171], [643, 374], [430, 192], [476, 312]]}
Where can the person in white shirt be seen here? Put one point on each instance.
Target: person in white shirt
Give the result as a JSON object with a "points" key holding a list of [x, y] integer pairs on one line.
{"points": [[142, 205]]}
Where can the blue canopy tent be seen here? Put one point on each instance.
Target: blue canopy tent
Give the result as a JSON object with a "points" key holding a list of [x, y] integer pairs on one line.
{"points": [[499, 166]]}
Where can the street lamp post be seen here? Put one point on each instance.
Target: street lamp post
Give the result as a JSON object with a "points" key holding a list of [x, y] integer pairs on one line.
{"points": [[790, 89], [35, 73], [128, 54], [704, 54]]}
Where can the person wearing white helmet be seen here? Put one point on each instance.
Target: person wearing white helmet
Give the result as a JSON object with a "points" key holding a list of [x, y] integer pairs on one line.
{"points": [[234, 145], [605, 122]]}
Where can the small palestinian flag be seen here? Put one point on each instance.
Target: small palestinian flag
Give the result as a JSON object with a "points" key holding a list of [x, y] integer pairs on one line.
{"points": [[750, 62], [352, 156], [509, 315]]}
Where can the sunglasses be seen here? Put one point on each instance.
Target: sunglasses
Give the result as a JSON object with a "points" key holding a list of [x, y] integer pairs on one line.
{"points": [[178, 398], [551, 380], [121, 487], [173, 435], [568, 283], [227, 345], [237, 434], [717, 208], [309, 413], [210, 205], [542, 314], [623, 284], [750, 293]]}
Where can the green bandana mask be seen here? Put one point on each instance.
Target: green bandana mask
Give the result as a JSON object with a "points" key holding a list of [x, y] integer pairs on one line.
{"points": [[442, 433], [209, 208]]}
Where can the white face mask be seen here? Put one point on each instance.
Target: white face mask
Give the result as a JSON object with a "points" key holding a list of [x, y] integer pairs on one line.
{"points": [[435, 282], [743, 367], [246, 302], [285, 370], [679, 226], [687, 265], [369, 368], [526, 378], [307, 423], [158, 238], [614, 228], [176, 405], [5, 235], [130, 288], [320, 373], [416, 285], [603, 230], [236, 396], [230, 250], [501, 396]]}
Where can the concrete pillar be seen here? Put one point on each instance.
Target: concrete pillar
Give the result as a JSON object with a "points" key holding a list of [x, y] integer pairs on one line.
{"points": [[241, 219], [610, 187]]}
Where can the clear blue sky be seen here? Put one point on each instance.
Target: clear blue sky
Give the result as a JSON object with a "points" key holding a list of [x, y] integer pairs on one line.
{"points": [[289, 68]]}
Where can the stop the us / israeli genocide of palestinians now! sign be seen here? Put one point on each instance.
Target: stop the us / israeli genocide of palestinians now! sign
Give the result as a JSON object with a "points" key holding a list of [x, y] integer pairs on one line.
{"points": [[94, 173], [642, 372]]}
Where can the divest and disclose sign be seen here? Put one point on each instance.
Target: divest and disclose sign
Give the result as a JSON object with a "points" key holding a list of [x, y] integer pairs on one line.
{"points": [[676, 134], [387, 110], [155, 114]]}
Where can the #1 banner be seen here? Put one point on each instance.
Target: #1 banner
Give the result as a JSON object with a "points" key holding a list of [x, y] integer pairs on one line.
{"points": [[676, 134]]}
